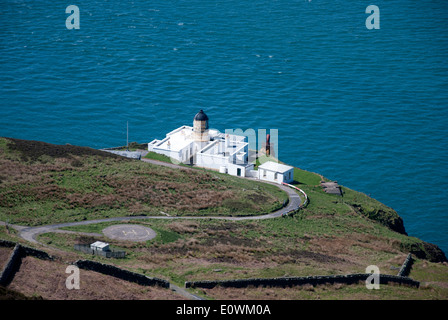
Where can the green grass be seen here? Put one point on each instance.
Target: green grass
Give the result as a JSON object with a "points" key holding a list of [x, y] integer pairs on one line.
{"points": [[429, 271], [64, 184], [163, 235], [159, 157], [350, 201], [332, 235], [330, 292], [91, 228], [303, 177], [303, 245]]}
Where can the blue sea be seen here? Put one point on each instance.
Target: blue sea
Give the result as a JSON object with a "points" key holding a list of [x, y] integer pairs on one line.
{"points": [[365, 107]]}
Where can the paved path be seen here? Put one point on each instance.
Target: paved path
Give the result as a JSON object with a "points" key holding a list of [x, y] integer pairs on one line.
{"points": [[30, 233]]}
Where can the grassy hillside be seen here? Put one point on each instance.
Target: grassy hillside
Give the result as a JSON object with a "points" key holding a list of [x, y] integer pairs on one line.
{"points": [[42, 183], [365, 209]]}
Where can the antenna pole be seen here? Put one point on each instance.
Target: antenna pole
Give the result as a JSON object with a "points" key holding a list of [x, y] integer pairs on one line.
{"points": [[127, 135]]}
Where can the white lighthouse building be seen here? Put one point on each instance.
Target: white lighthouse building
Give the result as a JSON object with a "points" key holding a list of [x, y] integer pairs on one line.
{"points": [[208, 148]]}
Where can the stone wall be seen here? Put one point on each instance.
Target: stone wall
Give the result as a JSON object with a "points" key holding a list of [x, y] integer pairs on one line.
{"points": [[15, 259], [401, 278], [406, 266], [26, 251], [7, 244], [20, 251], [11, 266], [120, 273], [298, 281]]}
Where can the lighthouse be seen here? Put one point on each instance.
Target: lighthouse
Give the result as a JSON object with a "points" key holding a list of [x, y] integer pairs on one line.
{"points": [[200, 127], [201, 146]]}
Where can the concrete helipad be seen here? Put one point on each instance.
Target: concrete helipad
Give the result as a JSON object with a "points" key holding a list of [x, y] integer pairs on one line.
{"points": [[130, 232]]}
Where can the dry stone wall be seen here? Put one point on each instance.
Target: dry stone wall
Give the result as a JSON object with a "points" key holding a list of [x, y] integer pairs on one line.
{"points": [[11, 266], [7, 244], [15, 259], [298, 281], [26, 251], [406, 266], [120, 273], [20, 251], [401, 278]]}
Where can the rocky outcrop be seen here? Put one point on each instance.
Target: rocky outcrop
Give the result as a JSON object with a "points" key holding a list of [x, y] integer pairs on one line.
{"points": [[396, 224], [426, 250], [389, 219]]}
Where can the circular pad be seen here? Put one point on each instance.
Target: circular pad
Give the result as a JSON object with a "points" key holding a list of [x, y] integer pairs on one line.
{"points": [[130, 232]]}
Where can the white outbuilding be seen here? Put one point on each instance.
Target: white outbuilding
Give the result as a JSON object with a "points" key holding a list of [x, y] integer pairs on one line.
{"points": [[100, 246], [275, 172]]}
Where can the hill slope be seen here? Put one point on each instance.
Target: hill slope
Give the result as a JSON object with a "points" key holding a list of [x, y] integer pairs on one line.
{"points": [[42, 183]]}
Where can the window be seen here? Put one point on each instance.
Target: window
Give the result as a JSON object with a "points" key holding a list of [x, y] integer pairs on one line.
{"points": [[275, 176], [264, 173]]}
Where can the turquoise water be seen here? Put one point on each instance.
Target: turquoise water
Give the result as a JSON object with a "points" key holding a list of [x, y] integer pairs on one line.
{"points": [[365, 107]]}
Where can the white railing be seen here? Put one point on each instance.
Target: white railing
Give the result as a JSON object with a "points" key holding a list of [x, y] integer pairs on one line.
{"points": [[303, 192]]}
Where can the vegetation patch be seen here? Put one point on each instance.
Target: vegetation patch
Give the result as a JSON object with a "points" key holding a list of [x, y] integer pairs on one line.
{"points": [[157, 156], [332, 235], [43, 183]]}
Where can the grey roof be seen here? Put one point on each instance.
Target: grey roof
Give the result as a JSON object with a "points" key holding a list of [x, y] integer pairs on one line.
{"points": [[200, 116]]}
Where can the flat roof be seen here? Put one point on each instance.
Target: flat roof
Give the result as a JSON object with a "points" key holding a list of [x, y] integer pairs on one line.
{"points": [[178, 139], [99, 244], [275, 166]]}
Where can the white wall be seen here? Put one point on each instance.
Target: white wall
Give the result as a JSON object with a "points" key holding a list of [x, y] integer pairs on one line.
{"points": [[268, 175], [252, 173], [210, 160], [233, 170], [289, 176]]}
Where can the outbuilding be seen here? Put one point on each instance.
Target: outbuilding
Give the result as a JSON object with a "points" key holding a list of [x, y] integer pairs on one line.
{"points": [[276, 172], [100, 246]]}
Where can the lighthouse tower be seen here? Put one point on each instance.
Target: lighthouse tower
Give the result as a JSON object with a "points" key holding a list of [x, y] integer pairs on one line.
{"points": [[200, 127]]}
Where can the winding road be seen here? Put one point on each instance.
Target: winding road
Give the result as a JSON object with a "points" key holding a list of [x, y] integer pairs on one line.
{"points": [[30, 233]]}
